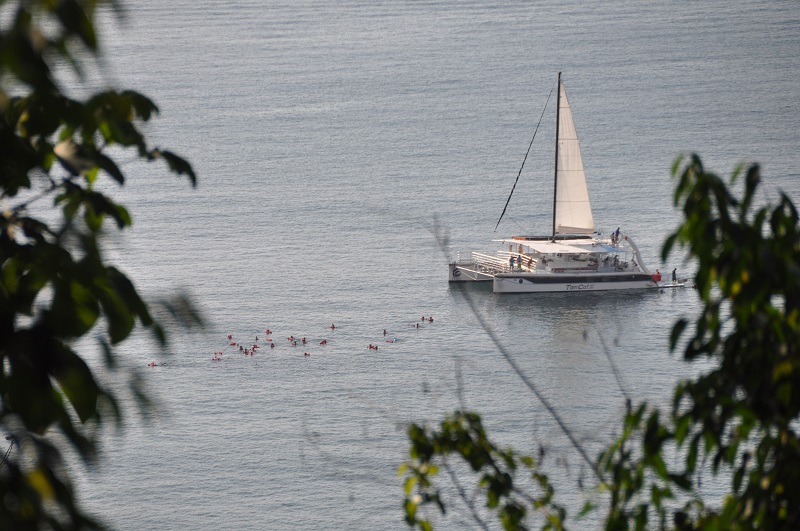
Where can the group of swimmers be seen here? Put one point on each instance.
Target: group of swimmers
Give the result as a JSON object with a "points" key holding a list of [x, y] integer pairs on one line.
{"points": [[249, 351], [295, 341]]}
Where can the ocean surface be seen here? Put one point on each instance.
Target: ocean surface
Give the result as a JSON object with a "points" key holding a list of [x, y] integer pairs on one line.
{"points": [[332, 142]]}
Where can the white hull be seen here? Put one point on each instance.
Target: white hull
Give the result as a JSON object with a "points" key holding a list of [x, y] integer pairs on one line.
{"points": [[464, 271], [544, 283]]}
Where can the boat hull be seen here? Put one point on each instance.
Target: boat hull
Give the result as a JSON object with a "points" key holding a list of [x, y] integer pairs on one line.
{"points": [[468, 272], [545, 283]]}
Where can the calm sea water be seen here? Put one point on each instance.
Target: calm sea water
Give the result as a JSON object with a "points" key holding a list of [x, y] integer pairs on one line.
{"points": [[329, 139]]}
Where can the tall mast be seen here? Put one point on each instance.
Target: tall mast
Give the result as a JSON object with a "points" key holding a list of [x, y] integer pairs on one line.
{"points": [[555, 176]]}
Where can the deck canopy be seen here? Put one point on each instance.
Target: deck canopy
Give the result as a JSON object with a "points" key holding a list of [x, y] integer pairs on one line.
{"points": [[563, 247]]}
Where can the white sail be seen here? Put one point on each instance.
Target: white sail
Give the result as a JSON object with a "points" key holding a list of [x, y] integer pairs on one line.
{"points": [[573, 212]]}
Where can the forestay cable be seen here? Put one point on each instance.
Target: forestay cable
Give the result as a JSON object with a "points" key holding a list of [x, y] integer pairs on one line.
{"points": [[523, 161]]}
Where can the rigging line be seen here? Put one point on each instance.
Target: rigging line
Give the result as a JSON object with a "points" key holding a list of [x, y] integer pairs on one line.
{"points": [[519, 225], [523, 161]]}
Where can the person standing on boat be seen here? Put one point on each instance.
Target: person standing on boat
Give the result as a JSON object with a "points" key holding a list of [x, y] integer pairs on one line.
{"points": [[675, 275], [616, 236], [511, 262]]}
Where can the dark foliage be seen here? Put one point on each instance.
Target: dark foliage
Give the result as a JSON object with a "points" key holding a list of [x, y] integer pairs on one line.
{"points": [[56, 285]]}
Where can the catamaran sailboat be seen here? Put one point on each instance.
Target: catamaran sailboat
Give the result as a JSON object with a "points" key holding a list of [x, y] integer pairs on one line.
{"points": [[573, 257]]}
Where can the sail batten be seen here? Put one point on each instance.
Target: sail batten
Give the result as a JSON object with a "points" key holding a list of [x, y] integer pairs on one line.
{"points": [[573, 211]]}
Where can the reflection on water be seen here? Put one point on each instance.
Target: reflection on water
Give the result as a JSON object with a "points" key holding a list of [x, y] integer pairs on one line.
{"points": [[569, 344]]}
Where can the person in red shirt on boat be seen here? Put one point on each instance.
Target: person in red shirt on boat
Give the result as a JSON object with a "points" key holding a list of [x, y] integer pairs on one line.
{"points": [[657, 276]]}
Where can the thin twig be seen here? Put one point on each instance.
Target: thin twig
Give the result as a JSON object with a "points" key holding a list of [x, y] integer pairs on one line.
{"points": [[616, 372], [442, 242], [5, 457], [463, 495]]}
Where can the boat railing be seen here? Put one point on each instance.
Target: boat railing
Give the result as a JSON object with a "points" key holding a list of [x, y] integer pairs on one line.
{"points": [[498, 263], [489, 262], [527, 263]]}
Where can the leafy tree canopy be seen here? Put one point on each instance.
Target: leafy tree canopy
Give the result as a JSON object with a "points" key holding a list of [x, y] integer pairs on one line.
{"points": [[738, 421], [55, 283]]}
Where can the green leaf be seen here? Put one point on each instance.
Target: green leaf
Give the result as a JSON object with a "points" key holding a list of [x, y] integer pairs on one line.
{"points": [[75, 21], [73, 310], [110, 167], [77, 382], [121, 305], [143, 106], [667, 247], [178, 165], [677, 330]]}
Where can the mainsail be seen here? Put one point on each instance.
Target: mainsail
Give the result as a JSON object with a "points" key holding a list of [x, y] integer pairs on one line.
{"points": [[573, 212]]}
